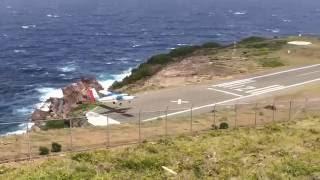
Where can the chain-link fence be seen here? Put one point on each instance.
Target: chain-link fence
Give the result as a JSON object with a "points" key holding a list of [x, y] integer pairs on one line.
{"points": [[76, 134]]}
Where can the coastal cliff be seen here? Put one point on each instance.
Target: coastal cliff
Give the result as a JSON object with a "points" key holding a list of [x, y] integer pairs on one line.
{"points": [[73, 95]]}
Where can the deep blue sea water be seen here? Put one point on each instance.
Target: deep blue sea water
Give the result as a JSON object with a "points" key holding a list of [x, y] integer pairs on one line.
{"points": [[46, 44]]}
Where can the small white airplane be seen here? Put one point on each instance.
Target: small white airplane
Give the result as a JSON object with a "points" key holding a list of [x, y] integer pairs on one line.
{"points": [[110, 97]]}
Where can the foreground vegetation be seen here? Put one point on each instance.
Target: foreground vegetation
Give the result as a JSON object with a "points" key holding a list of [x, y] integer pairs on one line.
{"points": [[278, 151]]}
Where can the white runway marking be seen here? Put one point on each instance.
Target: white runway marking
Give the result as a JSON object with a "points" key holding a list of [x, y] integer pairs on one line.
{"points": [[226, 92], [231, 100], [305, 74], [263, 89], [180, 101], [249, 80]]}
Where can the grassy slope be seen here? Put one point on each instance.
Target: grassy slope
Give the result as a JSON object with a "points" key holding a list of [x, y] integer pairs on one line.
{"points": [[278, 151], [251, 47]]}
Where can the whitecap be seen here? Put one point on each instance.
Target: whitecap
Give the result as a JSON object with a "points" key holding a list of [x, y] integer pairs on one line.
{"points": [[19, 51], [136, 45], [68, 68], [9, 7], [240, 13], [182, 44], [109, 63], [22, 129], [117, 77], [286, 20], [120, 77], [28, 26], [46, 93], [24, 110], [122, 59], [52, 16]]}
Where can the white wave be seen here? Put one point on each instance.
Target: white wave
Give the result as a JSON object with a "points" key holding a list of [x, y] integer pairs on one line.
{"points": [[286, 20], [22, 129], [9, 7], [240, 13], [24, 110], [109, 63], [182, 44], [106, 83], [28, 26], [46, 93], [276, 30], [123, 59], [19, 51], [118, 77], [68, 68], [52, 16], [136, 45]]}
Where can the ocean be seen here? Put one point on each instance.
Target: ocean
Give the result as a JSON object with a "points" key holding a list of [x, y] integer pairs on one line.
{"points": [[47, 44]]}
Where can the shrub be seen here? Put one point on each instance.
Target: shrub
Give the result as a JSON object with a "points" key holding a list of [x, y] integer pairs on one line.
{"points": [[55, 147], [271, 62], [224, 125], [160, 59], [55, 124], [43, 150], [211, 45], [252, 39], [183, 51]]}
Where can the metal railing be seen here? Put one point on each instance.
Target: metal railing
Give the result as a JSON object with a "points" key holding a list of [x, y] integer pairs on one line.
{"points": [[77, 135]]}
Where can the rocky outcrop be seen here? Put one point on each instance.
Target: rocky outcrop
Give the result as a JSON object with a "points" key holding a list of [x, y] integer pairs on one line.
{"points": [[73, 95]]}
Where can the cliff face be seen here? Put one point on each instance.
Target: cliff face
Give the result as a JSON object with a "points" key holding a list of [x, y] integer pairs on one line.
{"points": [[73, 95]]}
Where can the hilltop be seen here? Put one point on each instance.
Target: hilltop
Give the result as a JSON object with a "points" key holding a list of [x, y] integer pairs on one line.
{"points": [[212, 61]]}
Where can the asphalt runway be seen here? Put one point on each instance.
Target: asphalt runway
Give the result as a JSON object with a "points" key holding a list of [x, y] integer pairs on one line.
{"points": [[202, 98]]}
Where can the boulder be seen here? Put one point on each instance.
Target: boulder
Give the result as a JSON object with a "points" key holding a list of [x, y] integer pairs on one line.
{"points": [[73, 95], [39, 115]]}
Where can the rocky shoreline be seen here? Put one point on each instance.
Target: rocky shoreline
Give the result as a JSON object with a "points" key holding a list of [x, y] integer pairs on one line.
{"points": [[74, 95]]}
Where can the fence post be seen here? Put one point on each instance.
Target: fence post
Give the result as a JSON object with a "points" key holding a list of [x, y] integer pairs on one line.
{"points": [[166, 122], [214, 114], [191, 119], [108, 133], [290, 110], [70, 133], [29, 141], [273, 110], [139, 126], [235, 115], [306, 106], [255, 114]]}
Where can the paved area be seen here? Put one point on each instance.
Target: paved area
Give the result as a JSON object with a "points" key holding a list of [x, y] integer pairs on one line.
{"points": [[202, 98]]}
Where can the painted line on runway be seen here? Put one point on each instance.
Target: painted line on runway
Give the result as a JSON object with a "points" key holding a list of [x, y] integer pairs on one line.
{"points": [[268, 90], [313, 72], [230, 100], [261, 89], [226, 92], [267, 75]]}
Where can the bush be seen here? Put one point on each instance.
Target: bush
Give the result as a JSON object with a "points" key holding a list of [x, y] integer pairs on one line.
{"points": [[55, 147], [224, 125], [271, 62], [160, 59], [211, 45], [183, 51], [252, 39], [55, 124], [43, 150]]}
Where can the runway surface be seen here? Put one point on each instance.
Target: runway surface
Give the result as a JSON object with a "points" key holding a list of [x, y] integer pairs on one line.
{"points": [[202, 98]]}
